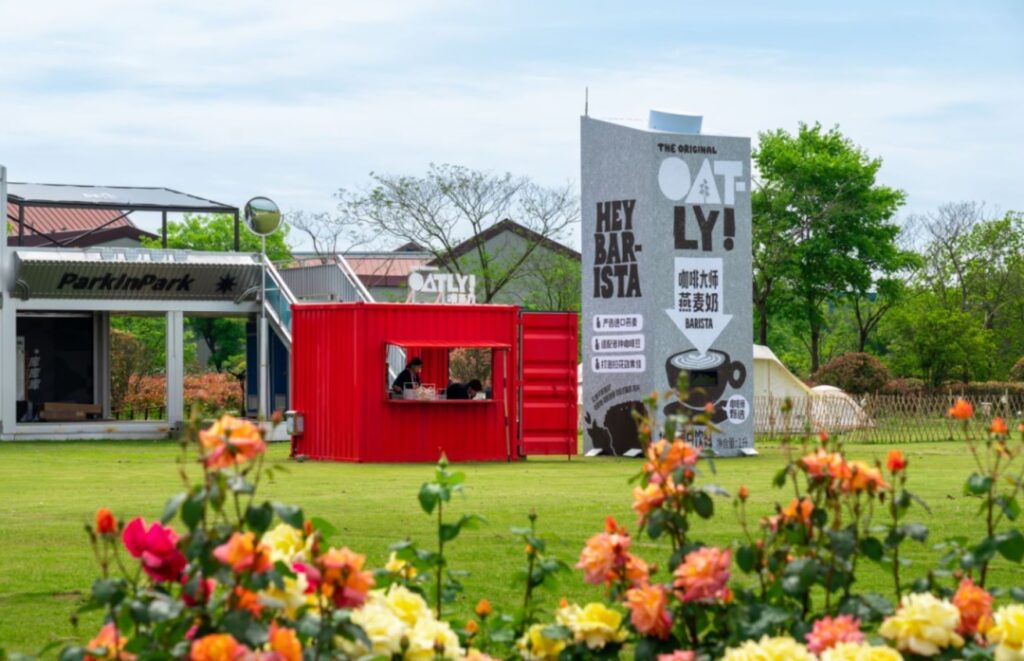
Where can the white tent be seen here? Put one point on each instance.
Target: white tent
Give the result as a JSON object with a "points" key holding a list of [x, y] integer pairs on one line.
{"points": [[836, 410], [773, 379]]}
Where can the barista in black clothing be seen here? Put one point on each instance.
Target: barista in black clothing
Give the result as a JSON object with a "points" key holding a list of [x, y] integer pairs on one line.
{"points": [[410, 375], [458, 390]]}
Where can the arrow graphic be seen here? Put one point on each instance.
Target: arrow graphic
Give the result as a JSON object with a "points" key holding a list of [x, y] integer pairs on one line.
{"points": [[698, 311]]}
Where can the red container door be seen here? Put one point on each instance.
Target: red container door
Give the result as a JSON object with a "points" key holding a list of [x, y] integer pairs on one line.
{"points": [[548, 383]]}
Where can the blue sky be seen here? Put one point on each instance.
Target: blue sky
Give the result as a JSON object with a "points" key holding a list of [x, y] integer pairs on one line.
{"points": [[292, 100]]}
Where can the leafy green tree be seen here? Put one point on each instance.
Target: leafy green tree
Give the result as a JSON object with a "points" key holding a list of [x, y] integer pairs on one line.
{"points": [[829, 219], [937, 344], [224, 337], [216, 233]]}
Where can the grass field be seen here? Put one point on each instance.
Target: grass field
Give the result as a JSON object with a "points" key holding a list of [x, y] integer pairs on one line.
{"points": [[49, 490]]}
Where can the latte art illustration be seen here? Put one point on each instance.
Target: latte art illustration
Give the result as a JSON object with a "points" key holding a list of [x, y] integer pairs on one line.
{"points": [[694, 361]]}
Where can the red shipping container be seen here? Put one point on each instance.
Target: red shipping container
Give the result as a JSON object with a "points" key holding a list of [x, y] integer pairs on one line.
{"points": [[340, 382]]}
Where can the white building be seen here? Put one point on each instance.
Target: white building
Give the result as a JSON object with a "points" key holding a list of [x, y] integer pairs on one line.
{"points": [[56, 302]]}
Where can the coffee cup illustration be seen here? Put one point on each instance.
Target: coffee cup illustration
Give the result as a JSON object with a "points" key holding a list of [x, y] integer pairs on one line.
{"points": [[708, 375]]}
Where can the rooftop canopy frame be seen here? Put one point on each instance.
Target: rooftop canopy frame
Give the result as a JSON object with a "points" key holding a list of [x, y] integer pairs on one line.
{"points": [[125, 199]]}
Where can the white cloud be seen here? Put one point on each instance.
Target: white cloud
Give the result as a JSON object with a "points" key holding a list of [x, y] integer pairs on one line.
{"points": [[294, 100]]}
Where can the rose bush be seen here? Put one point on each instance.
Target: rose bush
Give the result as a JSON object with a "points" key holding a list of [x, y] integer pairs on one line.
{"points": [[223, 575]]}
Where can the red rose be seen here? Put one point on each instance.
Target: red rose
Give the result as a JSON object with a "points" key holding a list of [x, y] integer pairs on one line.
{"points": [[106, 524], [157, 547]]}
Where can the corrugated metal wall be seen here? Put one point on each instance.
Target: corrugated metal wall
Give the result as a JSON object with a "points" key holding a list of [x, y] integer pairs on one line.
{"points": [[339, 383], [548, 377]]}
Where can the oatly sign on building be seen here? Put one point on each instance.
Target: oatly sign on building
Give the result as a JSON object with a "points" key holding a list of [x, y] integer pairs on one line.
{"points": [[666, 279]]}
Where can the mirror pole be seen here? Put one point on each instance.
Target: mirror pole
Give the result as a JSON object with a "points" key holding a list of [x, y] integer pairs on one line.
{"points": [[264, 391]]}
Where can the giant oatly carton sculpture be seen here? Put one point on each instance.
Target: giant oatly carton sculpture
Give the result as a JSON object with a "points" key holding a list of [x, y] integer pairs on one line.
{"points": [[666, 280]]}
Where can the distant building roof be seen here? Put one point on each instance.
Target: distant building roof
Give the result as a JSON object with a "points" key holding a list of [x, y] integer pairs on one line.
{"points": [[508, 225], [72, 227], [412, 246], [388, 270]]}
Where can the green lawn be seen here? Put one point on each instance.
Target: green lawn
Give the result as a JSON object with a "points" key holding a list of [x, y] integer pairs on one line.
{"points": [[49, 490]]}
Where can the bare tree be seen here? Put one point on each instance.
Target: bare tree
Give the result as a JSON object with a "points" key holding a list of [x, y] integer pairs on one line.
{"points": [[946, 254], [450, 204], [330, 233]]}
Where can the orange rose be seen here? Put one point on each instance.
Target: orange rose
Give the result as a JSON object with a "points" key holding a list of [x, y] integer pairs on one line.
{"points": [[106, 524], [646, 499], [998, 426], [108, 644], [864, 478], [217, 647], [798, 511], [343, 578], [231, 441], [962, 410], [247, 600], [483, 608], [975, 605], [744, 492], [828, 632], [284, 644], [703, 575], [648, 608], [896, 461], [242, 553], [472, 627]]}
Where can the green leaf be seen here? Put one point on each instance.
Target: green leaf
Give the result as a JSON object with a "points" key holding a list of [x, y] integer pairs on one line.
{"points": [[1010, 507], [872, 548], [192, 509], [703, 505], [290, 514], [746, 558], [1011, 545], [780, 477], [324, 527], [108, 591], [1017, 594], [164, 608], [977, 485], [238, 484], [259, 518], [556, 632], [915, 531], [843, 542], [171, 508], [430, 495], [73, 653]]}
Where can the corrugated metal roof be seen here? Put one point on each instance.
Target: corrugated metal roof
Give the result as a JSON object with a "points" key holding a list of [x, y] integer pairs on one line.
{"points": [[397, 265], [52, 220]]}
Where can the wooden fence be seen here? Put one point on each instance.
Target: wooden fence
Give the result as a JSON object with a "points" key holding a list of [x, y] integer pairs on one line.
{"points": [[876, 418]]}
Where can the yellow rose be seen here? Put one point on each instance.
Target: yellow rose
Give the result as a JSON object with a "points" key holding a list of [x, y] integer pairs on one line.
{"points": [[923, 624], [535, 647], [400, 567], [567, 616], [430, 639], [1007, 633], [384, 629], [860, 652], [769, 649], [286, 544], [292, 596], [596, 625], [407, 605]]}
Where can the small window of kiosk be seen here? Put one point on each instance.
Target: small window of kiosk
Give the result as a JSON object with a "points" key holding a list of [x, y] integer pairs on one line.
{"points": [[450, 372]]}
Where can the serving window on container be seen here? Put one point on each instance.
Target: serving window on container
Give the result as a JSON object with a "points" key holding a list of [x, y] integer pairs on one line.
{"points": [[447, 369]]}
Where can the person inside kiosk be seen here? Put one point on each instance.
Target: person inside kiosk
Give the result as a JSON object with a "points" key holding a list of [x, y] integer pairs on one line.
{"points": [[470, 390], [407, 378]]}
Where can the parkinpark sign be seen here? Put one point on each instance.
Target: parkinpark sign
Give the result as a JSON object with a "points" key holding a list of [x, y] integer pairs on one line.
{"points": [[666, 282]]}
